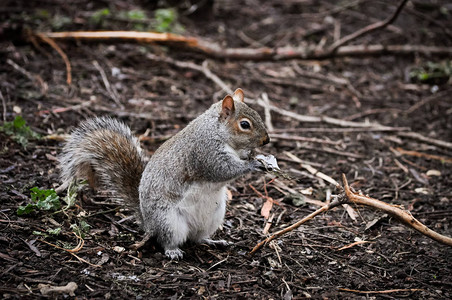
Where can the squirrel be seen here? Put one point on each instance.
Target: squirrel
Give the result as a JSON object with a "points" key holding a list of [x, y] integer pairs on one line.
{"points": [[179, 193]]}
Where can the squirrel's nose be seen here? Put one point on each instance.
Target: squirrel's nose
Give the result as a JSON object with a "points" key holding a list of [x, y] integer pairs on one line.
{"points": [[265, 140]]}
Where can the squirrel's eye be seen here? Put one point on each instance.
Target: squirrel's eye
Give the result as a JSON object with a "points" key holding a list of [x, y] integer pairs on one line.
{"points": [[245, 124]]}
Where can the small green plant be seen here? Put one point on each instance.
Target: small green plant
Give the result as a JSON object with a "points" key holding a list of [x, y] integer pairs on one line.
{"points": [[432, 72], [166, 20], [71, 195], [19, 131], [99, 16], [40, 200], [135, 15], [56, 21], [81, 228], [55, 231]]}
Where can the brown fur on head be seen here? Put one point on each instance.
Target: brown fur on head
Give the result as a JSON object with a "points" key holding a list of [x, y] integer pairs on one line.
{"points": [[245, 125]]}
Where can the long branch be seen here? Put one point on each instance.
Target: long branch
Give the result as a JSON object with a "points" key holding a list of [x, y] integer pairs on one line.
{"points": [[265, 53]]}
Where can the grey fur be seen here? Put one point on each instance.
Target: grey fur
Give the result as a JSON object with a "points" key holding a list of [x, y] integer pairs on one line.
{"points": [[182, 192]]}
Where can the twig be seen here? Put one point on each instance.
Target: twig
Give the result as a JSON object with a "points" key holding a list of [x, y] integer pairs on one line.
{"points": [[79, 247], [4, 106], [215, 78], [189, 65], [69, 108], [113, 94], [324, 119], [443, 159], [371, 112], [404, 216], [333, 151], [368, 29], [352, 245], [380, 292], [32, 77], [141, 243], [302, 139], [60, 51], [349, 197], [420, 137], [312, 170], [333, 203], [428, 99], [263, 53], [338, 130], [268, 116]]}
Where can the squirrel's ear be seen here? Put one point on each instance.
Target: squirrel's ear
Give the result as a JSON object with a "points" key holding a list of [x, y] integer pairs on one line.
{"points": [[238, 95], [227, 107]]}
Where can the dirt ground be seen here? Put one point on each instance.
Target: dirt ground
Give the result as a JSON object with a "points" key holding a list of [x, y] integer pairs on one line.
{"points": [[407, 163]]}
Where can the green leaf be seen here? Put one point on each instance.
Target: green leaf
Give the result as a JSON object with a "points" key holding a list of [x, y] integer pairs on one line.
{"points": [[24, 210], [19, 131], [84, 226], [45, 199], [40, 233], [165, 18], [136, 15], [99, 16], [19, 122], [55, 231], [52, 202]]}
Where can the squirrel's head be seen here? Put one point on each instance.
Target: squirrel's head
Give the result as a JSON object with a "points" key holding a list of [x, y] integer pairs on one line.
{"points": [[244, 123]]}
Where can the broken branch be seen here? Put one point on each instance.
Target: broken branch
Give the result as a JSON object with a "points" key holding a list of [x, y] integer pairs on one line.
{"points": [[264, 53], [404, 216], [350, 197]]}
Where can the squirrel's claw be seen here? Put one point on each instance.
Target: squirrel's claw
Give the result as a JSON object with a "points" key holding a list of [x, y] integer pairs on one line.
{"points": [[174, 254]]}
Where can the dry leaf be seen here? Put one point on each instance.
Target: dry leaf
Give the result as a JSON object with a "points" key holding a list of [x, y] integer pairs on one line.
{"points": [[266, 208]]}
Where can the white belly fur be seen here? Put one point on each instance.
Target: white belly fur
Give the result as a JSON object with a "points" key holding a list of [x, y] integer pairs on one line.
{"points": [[200, 212]]}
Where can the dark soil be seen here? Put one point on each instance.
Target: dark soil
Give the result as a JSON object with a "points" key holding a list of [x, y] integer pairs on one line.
{"points": [[157, 99]]}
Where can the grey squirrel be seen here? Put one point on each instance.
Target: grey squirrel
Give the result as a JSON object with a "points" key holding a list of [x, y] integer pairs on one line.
{"points": [[179, 193]]}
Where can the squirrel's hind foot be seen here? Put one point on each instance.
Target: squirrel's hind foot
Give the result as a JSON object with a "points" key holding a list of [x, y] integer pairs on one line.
{"points": [[174, 254]]}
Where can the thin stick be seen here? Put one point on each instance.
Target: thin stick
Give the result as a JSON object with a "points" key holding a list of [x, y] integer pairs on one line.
{"points": [[428, 99], [368, 29], [32, 77], [60, 51], [113, 94], [404, 216], [311, 169], [268, 116], [443, 159], [380, 292], [351, 197], [420, 137], [333, 203], [189, 65], [323, 119], [4, 106], [301, 139], [338, 130]]}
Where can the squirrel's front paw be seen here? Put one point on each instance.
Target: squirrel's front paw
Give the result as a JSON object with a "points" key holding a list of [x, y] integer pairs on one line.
{"points": [[222, 243], [174, 254], [267, 162], [256, 165]]}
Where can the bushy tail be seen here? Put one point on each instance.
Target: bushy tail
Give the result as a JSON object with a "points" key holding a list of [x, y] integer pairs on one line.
{"points": [[105, 152]]}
